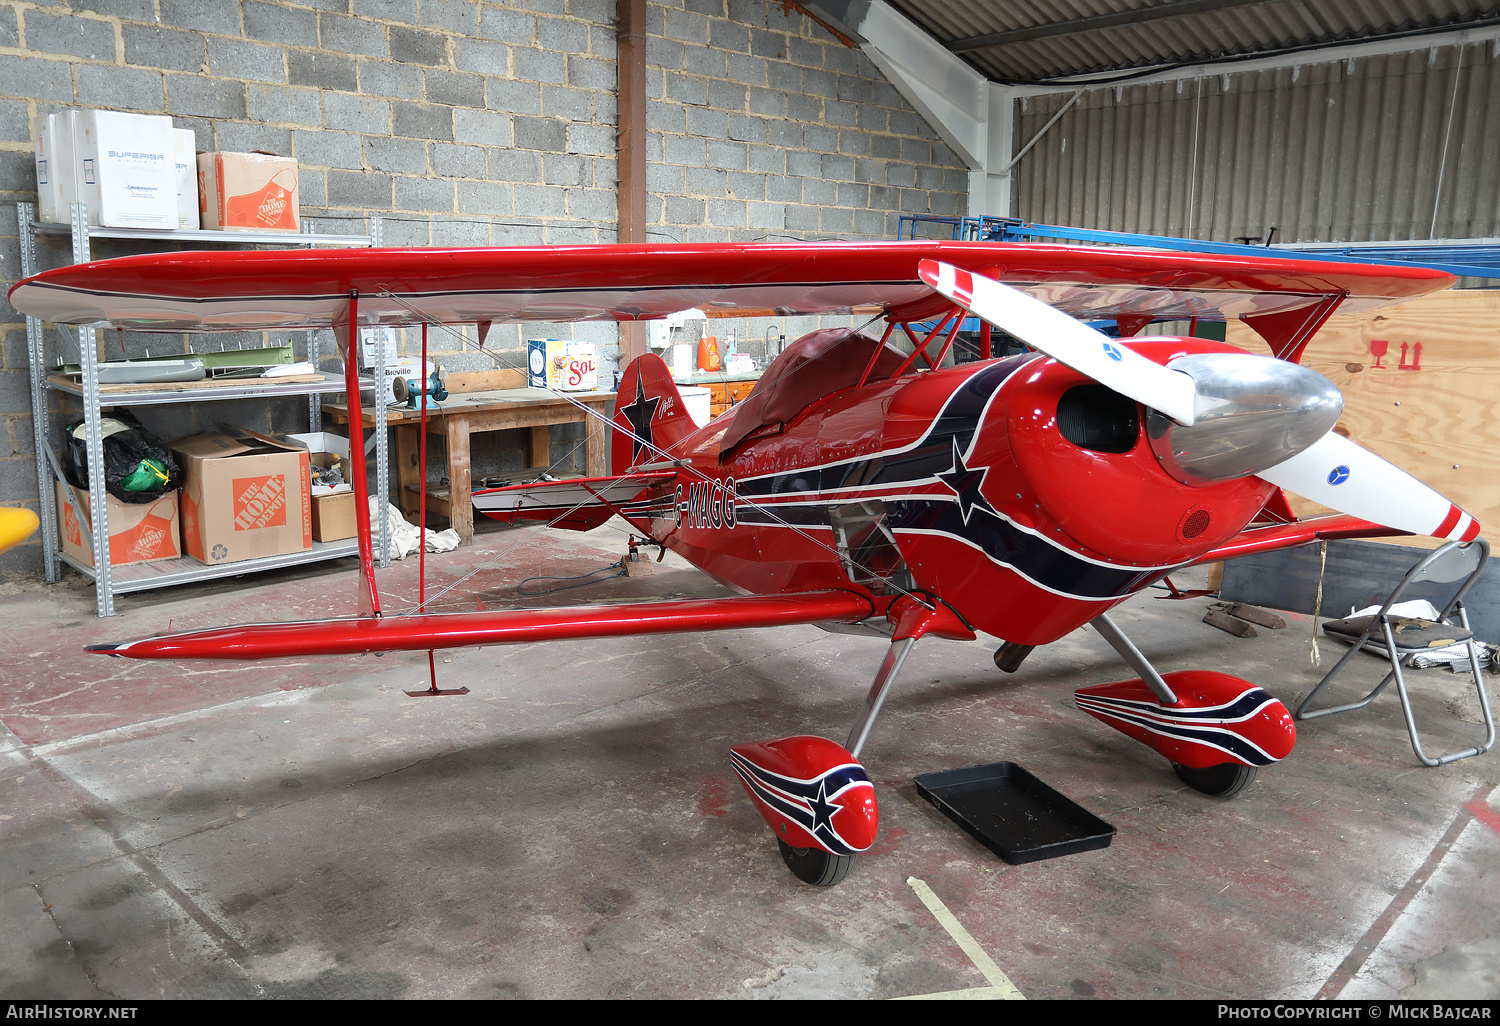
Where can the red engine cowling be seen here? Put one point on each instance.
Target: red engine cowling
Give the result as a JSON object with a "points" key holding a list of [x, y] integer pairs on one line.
{"points": [[811, 792]]}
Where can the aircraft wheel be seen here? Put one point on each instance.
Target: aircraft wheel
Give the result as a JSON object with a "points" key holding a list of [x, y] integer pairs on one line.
{"points": [[814, 865], [1222, 781]]}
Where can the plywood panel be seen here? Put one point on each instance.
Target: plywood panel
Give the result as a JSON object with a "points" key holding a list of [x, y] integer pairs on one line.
{"points": [[1421, 381]]}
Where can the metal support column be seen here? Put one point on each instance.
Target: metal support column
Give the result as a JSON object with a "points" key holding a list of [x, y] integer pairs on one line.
{"points": [[88, 360], [40, 428]]}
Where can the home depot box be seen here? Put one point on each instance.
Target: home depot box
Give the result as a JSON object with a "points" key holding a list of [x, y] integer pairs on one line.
{"points": [[137, 533], [124, 168], [565, 366], [332, 505], [243, 498], [254, 191]]}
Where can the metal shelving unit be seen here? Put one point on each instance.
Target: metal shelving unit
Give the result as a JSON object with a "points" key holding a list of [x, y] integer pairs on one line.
{"points": [[109, 580]]}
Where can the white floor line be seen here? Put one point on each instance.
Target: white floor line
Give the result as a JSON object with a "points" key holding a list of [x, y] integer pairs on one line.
{"points": [[1000, 986], [266, 701]]}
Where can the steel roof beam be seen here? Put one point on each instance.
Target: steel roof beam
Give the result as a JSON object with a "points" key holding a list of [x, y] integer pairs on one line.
{"points": [[1098, 22]]}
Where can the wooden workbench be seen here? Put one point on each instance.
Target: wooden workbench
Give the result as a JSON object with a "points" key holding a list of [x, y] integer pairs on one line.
{"points": [[467, 413]]}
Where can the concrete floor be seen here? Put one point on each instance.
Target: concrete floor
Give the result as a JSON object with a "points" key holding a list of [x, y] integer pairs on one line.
{"points": [[572, 827]]}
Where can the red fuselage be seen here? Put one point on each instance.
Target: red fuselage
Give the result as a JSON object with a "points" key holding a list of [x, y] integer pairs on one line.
{"points": [[966, 483]]}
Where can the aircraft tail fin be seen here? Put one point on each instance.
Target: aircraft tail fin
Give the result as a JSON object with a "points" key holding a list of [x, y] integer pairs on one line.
{"points": [[649, 414]]}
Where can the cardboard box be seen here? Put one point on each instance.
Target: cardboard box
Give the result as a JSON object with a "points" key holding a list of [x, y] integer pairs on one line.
{"points": [[565, 366], [125, 168], [185, 171], [243, 498], [248, 191], [137, 533], [55, 187], [332, 507], [333, 516]]}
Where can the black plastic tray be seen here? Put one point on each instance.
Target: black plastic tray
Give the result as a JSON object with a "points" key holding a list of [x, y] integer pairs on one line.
{"points": [[1014, 814]]}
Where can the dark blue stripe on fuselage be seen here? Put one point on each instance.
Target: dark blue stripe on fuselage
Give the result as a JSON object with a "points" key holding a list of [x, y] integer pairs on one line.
{"points": [[933, 453], [1049, 565]]}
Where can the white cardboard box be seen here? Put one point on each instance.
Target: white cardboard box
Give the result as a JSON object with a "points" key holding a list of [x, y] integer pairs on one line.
{"points": [[185, 163], [54, 178], [126, 168]]}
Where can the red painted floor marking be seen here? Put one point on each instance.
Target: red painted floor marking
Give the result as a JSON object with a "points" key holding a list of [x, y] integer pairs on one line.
{"points": [[1365, 947], [1486, 815]]}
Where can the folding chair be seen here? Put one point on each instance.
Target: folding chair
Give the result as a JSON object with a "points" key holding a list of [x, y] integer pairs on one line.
{"points": [[1405, 637]]}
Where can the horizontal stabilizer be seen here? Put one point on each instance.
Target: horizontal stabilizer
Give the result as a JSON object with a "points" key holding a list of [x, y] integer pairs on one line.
{"points": [[580, 504], [423, 632]]}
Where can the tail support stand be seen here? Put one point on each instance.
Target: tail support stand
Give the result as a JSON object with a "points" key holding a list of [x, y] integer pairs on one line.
{"points": [[912, 619], [434, 691]]}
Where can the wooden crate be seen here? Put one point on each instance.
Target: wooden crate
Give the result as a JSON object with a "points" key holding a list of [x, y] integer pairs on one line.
{"points": [[1420, 382]]}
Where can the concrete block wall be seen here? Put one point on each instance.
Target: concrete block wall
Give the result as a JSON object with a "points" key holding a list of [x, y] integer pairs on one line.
{"points": [[465, 123]]}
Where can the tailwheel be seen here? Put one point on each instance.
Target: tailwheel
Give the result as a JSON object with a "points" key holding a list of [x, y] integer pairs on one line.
{"points": [[814, 865], [1222, 781]]}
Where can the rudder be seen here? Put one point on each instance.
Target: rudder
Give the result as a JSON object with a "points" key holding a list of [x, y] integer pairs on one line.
{"points": [[649, 414]]}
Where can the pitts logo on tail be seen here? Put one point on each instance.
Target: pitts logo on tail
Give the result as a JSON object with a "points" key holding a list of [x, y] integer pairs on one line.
{"points": [[649, 413]]}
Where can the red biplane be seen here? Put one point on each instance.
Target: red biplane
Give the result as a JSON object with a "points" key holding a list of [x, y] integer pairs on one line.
{"points": [[864, 487]]}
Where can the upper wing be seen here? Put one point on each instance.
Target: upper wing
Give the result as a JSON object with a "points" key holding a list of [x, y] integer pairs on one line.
{"points": [[579, 504], [495, 627], [201, 291]]}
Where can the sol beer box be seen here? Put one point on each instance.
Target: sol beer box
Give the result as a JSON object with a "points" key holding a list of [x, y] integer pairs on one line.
{"points": [[566, 366], [137, 533], [255, 191], [243, 498]]}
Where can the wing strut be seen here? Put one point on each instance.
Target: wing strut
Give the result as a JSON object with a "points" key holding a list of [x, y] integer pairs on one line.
{"points": [[369, 597]]}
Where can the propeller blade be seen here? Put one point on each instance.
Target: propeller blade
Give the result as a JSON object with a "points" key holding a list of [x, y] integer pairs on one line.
{"points": [[1066, 340], [1347, 477]]}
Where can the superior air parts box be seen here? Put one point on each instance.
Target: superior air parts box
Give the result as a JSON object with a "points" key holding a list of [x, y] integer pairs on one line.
{"points": [[243, 498], [565, 366], [138, 533], [254, 191], [125, 168]]}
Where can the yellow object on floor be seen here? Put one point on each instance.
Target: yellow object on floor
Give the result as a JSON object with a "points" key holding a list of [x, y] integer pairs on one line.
{"points": [[16, 525]]}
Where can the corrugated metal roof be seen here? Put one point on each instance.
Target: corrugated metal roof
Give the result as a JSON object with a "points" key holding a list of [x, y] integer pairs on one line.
{"points": [[1042, 40], [1395, 146]]}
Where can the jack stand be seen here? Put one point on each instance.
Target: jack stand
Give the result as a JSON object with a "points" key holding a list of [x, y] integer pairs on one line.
{"points": [[637, 563], [435, 691]]}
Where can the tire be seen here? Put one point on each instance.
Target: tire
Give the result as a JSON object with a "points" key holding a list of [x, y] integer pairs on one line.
{"points": [[1222, 781], [814, 865]]}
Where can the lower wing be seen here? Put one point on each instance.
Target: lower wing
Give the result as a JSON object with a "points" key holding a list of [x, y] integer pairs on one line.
{"points": [[426, 631], [1269, 537]]}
